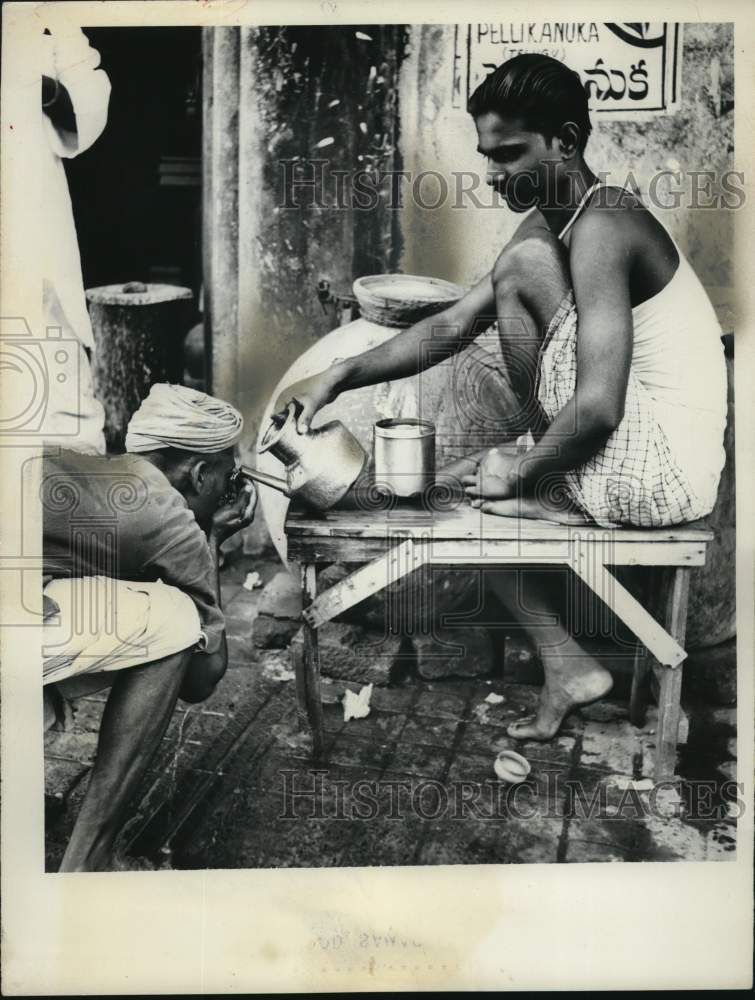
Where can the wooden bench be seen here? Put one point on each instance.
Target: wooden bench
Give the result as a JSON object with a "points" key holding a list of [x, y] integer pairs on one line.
{"points": [[393, 543]]}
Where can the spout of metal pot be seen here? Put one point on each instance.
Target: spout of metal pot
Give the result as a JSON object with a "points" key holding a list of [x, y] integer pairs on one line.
{"points": [[275, 482]]}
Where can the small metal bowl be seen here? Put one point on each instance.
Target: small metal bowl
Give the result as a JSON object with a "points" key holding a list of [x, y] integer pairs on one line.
{"points": [[512, 767]]}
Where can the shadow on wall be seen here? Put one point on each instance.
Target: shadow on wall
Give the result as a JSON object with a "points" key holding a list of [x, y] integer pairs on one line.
{"points": [[280, 99]]}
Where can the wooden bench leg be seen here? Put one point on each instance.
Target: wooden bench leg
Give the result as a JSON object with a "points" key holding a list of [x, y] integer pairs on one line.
{"points": [[638, 698], [670, 679], [308, 669]]}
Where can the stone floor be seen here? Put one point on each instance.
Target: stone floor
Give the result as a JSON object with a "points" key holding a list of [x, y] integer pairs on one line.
{"points": [[412, 784]]}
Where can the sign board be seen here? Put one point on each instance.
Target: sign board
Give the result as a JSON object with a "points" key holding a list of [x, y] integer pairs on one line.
{"points": [[629, 70]]}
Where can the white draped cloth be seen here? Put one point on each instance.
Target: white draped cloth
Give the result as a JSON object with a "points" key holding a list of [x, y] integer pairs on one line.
{"points": [[74, 418]]}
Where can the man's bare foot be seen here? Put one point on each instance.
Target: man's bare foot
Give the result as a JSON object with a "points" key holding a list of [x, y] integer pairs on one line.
{"points": [[558, 697], [534, 508]]}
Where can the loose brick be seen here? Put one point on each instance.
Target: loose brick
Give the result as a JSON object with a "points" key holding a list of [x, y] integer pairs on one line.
{"points": [[459, 652], [274, 633], [349, 652], [281, 597]]}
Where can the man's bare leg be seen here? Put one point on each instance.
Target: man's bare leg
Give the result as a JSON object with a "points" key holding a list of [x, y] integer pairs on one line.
{"points": [[531, 279], [531, 284], [137, 713], [572, 676]]}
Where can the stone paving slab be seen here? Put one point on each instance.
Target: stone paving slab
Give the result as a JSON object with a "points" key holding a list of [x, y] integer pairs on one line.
{"points": [[382, 727], [396, 834], [358, 753], [87, 714], [484, 740], [228, 591], [422, 761], [397, 699], [333, 721], [434, 701], [492, 841], [617, 746], [71, 745], [534, 840], [58, 832], [476, 768], [61, 776], [463, 843], [193, 774], [431, 731]]}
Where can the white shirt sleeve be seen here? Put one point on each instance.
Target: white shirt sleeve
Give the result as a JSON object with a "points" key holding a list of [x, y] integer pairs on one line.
{"points": [[76, 66]]}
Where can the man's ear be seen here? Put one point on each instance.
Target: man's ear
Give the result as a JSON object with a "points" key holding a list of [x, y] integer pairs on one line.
{"points": [[198, 475], [568, 140]]}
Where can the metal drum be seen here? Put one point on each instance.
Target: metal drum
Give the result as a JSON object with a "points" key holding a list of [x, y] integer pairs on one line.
{"points": [[138, 331], [404, 450]]}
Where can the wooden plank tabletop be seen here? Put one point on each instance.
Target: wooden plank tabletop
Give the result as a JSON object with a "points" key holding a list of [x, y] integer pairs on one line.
{"points": [[467, 524]]}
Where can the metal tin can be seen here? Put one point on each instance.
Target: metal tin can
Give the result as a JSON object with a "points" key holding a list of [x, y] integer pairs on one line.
{"points": [[404, 451]]}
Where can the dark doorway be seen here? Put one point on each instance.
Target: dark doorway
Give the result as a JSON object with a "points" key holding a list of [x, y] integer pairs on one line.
{"points": [[136, 192]]}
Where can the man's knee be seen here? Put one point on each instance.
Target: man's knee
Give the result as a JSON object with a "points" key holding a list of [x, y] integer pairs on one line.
{"points": [[202, 676], [537, 264], [534, 274]]}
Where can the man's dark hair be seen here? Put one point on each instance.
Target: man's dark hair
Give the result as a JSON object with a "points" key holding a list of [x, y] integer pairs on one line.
{"points": [[542, 90]]}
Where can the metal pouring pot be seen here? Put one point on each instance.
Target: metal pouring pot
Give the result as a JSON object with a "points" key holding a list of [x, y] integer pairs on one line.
{"points": [[320, 466]]}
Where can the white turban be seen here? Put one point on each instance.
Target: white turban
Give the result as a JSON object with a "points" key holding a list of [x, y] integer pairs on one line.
{"points": [[174, 416]]}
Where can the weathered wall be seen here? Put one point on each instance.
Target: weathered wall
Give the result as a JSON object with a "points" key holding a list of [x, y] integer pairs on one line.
{"points": [[275, 95], [461, 243]]}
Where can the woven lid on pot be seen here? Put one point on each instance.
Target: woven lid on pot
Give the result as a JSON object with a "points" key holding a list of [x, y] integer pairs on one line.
{"points": [[137, 293], [402, 299]]}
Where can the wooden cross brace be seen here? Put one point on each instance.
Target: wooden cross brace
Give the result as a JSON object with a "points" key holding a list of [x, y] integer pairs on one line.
{"points": [[412, 553], [366, 581]]}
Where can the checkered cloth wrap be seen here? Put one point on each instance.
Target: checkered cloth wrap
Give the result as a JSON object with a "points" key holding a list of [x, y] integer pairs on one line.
{"points": [[634, 479]]}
